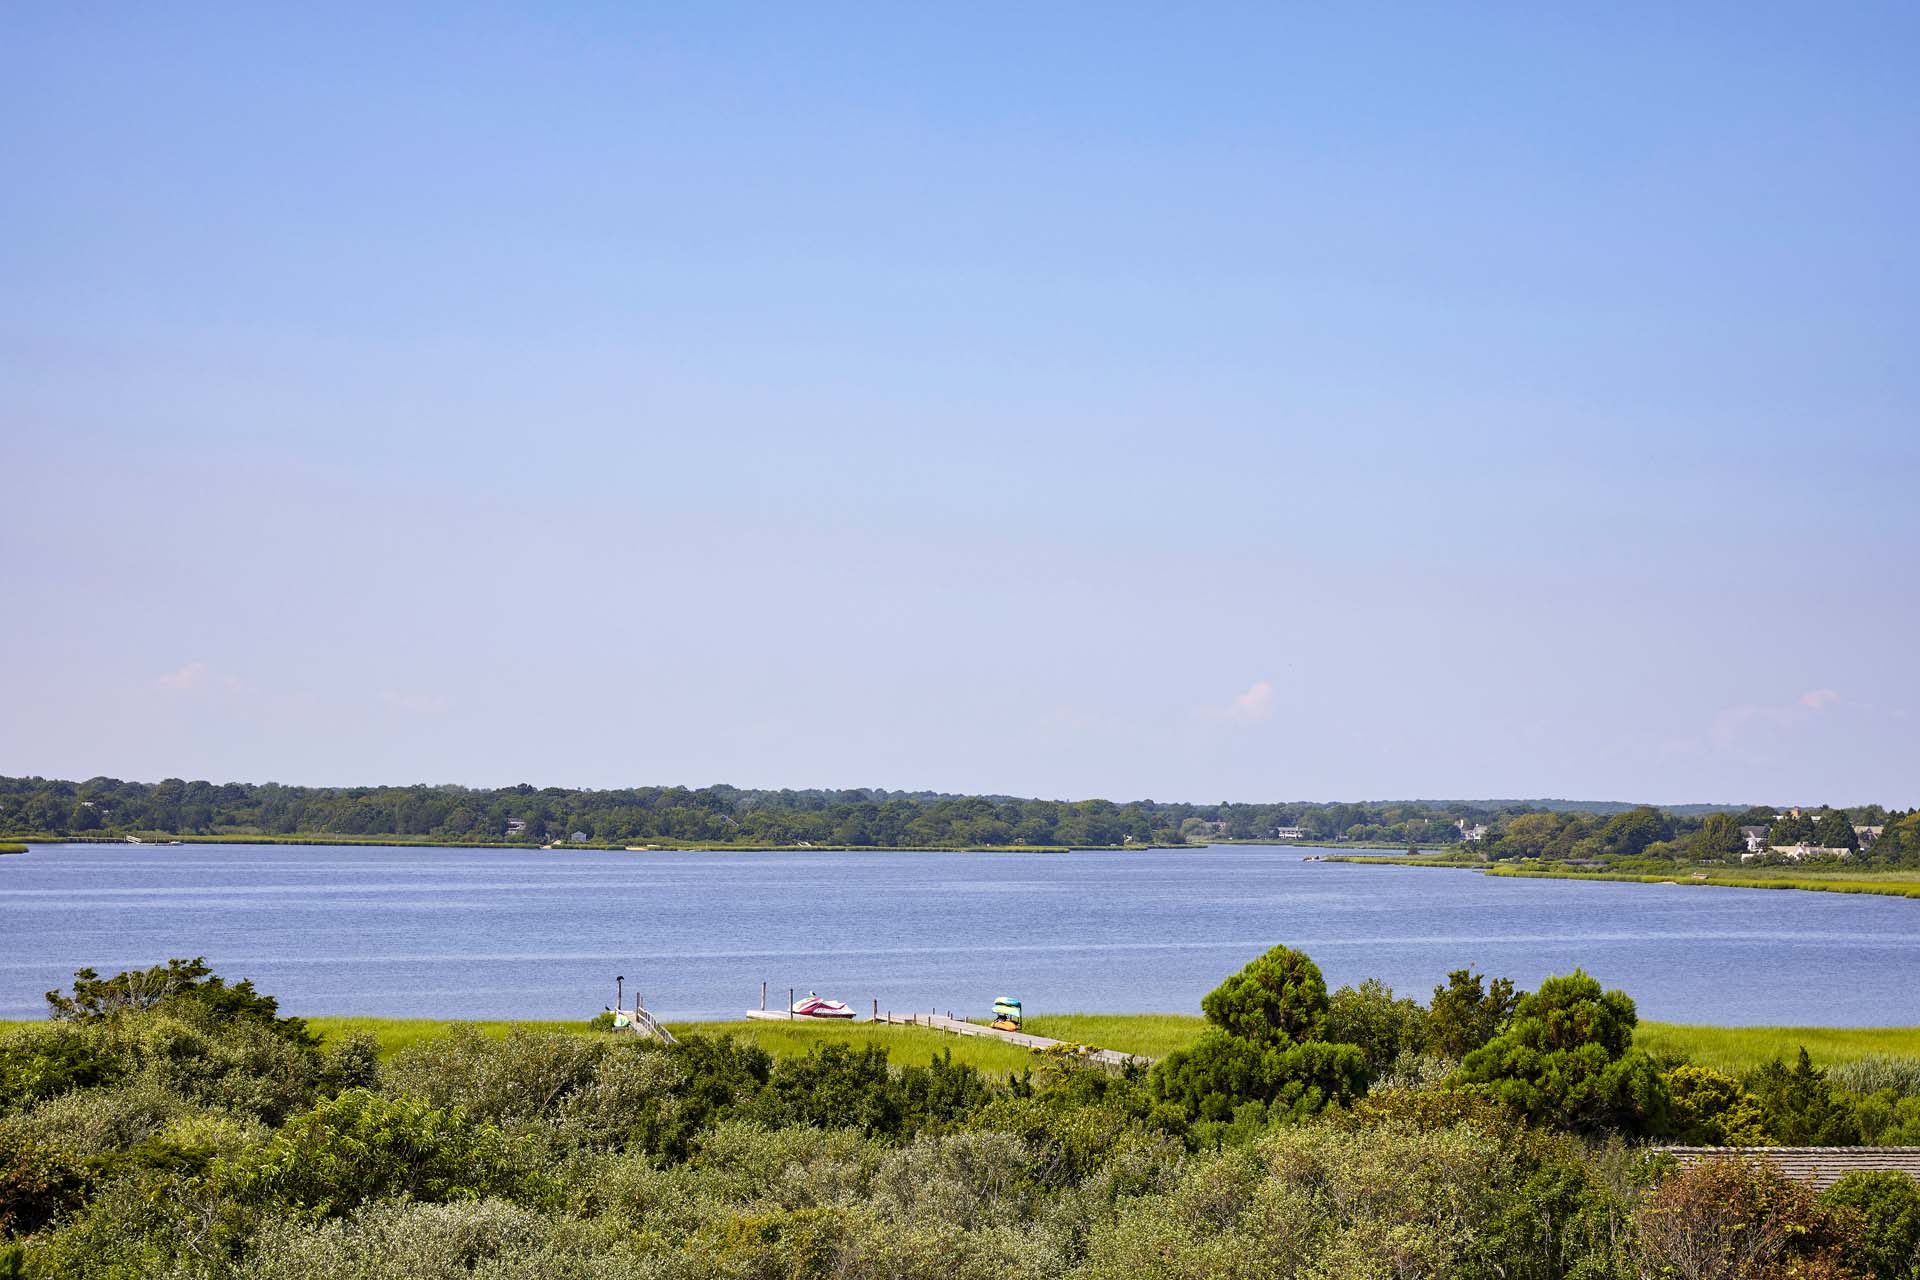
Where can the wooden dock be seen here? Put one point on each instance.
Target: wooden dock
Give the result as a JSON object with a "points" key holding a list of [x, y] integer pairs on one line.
{"points": [[956, 1026], [1111, 1058]]}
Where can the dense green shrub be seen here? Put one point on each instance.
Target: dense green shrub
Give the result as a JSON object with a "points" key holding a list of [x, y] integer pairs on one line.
{"points": [[1466, 1012], [1567, 1060], [1740, 1220], [1800, 1107], [1220, 1073], [48, 1059], [1711, 1109], [1888, 1205], [361, 1147], [1386, 1200], [1277, 999], [1368, 1016], [452, 1241], [157, 1138], [187, 988]]}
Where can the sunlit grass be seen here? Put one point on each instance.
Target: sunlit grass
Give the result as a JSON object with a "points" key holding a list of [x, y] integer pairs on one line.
{"points": [[905, 1046], [1152, 1034], [1155, 1035], [1896, 883], [395, 1034], [1741, 1048]]}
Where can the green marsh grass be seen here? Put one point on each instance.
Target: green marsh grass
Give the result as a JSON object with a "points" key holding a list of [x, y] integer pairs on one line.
{"points": [[1893, 883], [1736, 1049], [1155, 1035], [905, 1046]]}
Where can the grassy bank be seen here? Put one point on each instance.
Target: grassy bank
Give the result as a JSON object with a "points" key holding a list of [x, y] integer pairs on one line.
{"points": [[1738, 1049], [781, 1039], [1894, 883], [1891, 884], [1158, 1034], [1155, 1035]]}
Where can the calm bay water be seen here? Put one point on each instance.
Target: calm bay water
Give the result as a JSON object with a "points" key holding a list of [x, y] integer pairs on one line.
{"points": [[491, 934]]}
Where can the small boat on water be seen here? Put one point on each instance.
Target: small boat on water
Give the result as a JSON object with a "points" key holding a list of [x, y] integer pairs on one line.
{"points": [[813, 1006]]}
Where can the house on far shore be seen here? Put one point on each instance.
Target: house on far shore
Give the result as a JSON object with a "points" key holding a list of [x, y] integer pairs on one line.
{"points": [[1472, 834], [1756, 839], [1795, 852], [1289, 833], [516, 827], [1866, 835]]}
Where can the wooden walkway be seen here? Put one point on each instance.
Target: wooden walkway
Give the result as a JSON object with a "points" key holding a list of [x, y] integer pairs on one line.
{"points": [[642, 1022], [956, 1026], [1112, 1058]]}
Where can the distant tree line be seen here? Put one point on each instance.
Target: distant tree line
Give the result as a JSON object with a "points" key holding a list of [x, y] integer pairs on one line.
{"points": [[526, 814], [876, 818], [1647, 833]]}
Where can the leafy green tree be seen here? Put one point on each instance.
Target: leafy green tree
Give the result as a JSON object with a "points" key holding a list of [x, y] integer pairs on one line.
{"points": [[1888, 1203], [1277, 999], [1718, 837], [1834, 830], [1567, 1060], [360, 1146], [1801, 1107], [1527, 836], [1221, 1072], [1628, 834], [1467, 1012], [1710, 1109], [184, 987], [834, 1086], [1900, 842], [1368, 1016], [1266, 1047], [1790, 831]]}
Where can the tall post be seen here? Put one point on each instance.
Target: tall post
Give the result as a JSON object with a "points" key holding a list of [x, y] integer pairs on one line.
{"points": [[763, 995], [876, 1009], [789, 1004], [619, 982]]}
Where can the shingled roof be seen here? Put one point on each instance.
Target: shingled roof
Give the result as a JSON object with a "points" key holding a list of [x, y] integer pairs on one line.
{"points": [[1819, 1166]]}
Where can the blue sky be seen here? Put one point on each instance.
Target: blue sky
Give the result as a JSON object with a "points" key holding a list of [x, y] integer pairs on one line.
{"points": [[1221, 404]]}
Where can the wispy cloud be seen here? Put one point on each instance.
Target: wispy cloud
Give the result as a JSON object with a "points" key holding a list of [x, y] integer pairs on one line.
{"points": [[1255, 704], [1736, 722], [186, 677], [419, 704]]}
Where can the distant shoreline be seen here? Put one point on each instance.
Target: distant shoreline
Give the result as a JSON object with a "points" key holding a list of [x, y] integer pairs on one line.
{"points": [[162, 841], [1834, 882]]}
